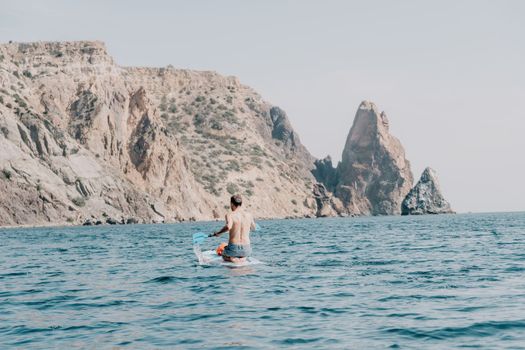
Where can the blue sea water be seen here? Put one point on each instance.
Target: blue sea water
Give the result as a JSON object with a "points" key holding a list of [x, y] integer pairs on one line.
{"points": [[451, 281]]}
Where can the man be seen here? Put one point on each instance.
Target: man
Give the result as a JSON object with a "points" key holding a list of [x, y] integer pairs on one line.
{"points": [[238, 224]]}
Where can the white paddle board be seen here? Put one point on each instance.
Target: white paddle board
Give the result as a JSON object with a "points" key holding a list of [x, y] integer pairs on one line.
{"points": [[210, 257]]}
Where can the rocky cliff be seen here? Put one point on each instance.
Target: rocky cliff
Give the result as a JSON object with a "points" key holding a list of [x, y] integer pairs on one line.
{"points": [[85, 139], [373, 176], [426, 197]]}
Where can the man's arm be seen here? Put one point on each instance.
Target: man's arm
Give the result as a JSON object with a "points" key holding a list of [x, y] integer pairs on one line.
{"points": [[226, 227]]}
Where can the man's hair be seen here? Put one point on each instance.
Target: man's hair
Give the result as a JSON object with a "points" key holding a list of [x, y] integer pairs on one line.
{"points": [[236, 200]]}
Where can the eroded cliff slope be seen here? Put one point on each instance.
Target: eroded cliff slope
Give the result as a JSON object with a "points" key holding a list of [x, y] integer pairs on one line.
{"points": [[83, 138]]}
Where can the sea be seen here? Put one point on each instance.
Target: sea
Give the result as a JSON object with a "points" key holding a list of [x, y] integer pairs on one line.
{"points": [[421, 282]]}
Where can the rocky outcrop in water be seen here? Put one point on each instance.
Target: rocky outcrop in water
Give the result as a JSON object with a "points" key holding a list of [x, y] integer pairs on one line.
{"points": [[373, 176], [426, 197]]}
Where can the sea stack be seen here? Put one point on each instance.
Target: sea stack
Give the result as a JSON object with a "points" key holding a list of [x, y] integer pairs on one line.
{"points": [[426, 197], [374, 176]]}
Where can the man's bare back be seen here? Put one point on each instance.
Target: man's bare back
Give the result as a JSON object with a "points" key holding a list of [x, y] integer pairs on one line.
{"points": [[240, 223]]}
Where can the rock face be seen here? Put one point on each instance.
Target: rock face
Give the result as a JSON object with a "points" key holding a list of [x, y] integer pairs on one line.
{"points": [[325, 173], [327, 203], [373, 176], [83, 139], [426, 197]]}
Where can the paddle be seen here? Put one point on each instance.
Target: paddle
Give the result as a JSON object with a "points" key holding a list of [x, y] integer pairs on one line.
{"points": [[200, 237]]}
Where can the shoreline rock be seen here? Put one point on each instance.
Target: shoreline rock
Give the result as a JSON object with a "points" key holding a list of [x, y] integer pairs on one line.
{"points": [[426, 197]]}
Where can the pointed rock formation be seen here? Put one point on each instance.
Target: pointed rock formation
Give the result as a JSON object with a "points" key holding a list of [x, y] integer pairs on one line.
{"points": [[283, 132], [426, 197], [374, 175]]}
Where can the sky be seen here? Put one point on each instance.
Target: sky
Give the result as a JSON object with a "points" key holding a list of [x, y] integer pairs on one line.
{"points": [[450, 75]]}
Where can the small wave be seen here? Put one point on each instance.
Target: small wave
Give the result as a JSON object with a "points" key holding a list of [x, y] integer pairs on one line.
{"points": [[379, 262], [172, 305], [273, 308], [515, 269], [415, 296], [22, 330], [307, 309], [14, 274], [329, 262], [87, 305], [43, 304], [164, 279], [190, 341], [402, 314], [51, 250], [333, 310], [293, 341], [55, 274], [469, 308], [481, 329]]}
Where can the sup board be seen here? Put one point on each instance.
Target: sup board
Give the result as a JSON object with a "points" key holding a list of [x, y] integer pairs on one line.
{"points": [[210, 257]]}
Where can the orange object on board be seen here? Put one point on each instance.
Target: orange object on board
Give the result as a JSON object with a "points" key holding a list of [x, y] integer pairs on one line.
{"points": [[220, 248]]}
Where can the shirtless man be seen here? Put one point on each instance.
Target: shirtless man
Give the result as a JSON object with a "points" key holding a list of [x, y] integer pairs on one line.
{"points": [[238, 223]]}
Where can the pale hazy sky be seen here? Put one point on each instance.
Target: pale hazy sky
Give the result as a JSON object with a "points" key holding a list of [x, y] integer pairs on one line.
{"points": [[449, 74]]}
